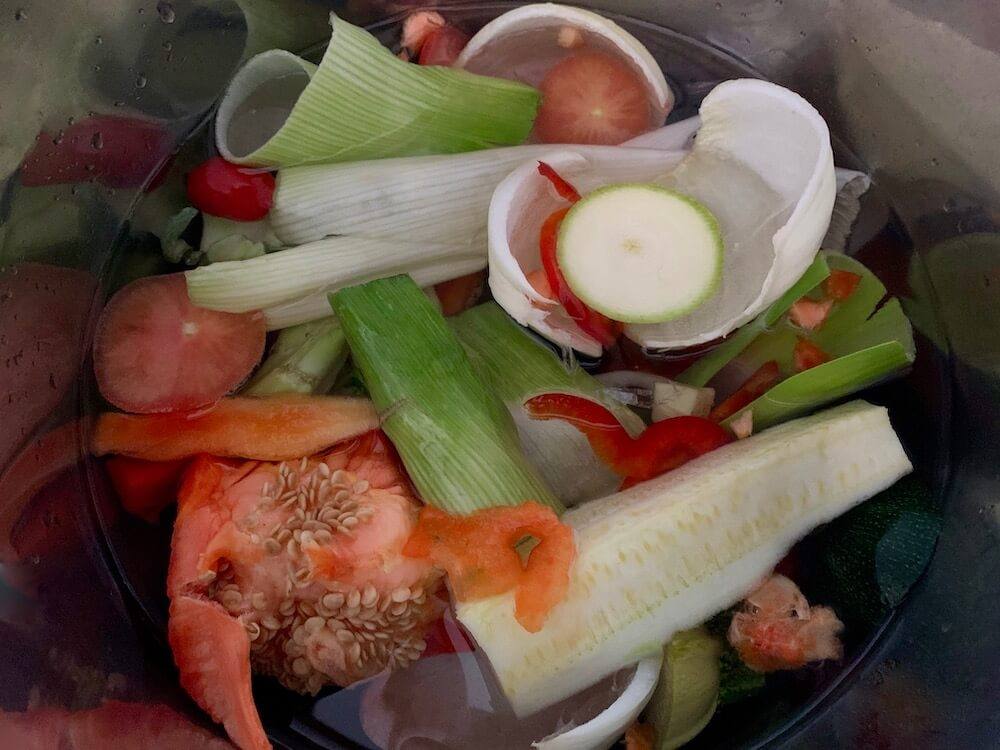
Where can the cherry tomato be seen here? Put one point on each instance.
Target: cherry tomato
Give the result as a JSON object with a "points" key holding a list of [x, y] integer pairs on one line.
{"points": [[230, 191]]}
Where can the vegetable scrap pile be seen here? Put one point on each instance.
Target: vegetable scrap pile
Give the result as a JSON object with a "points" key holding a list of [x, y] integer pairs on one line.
{"points": [[417, 439]]}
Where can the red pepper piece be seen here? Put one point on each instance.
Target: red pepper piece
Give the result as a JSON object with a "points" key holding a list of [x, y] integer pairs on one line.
{"points": [[840, 285], [562, 187], [220, 188], [806, 355], [810, 314], [754, 387], [591, 322], [145, 487], [662, 446], [442, 46]]}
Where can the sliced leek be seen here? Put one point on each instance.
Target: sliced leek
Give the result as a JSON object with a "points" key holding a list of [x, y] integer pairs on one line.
{"points": [[516, 367], [322, 266], [453, 433], [667, 554], [362, 102]]}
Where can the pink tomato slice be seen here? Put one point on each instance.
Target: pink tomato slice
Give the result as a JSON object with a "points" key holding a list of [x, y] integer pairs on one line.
{"points": [[442, 46], [154, 351], [592, 97]]}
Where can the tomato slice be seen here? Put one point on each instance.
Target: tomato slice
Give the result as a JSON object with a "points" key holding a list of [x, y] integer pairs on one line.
{"points": [[154, 351], [592, 97], [442, 46], [810, 314]]}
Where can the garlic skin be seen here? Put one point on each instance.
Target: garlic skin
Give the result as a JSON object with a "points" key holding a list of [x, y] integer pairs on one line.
{"points": [[758, 157]]}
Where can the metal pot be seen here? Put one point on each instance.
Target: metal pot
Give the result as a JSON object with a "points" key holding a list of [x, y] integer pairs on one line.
{"points": [[908, 87]]}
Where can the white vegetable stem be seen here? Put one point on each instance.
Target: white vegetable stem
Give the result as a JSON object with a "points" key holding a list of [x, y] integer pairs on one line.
{"points": [[668, 554], [317, 268]]}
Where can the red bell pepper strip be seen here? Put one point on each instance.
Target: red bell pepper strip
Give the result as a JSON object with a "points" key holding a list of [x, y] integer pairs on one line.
{"points": [[145, 488], [840, 285], [562, 187], [662, 446], [442, 46], [755, 386], [806, 355]]}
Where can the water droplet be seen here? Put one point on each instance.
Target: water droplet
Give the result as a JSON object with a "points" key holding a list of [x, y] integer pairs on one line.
{"points": [[20, 15], [119, 103], [59, 137], [97, 141], [97, 68], [99, 40], [718, 6], [140, 81], [166, 11], [168, 45]]}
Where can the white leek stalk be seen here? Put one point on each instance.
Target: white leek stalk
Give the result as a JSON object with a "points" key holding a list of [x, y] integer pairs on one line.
{"points": [[315, 268]]}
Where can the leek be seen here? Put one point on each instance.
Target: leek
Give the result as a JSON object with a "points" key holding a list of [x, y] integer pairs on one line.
{"points": [[318, 267], [304, 359], [851, 326], [316, 305], [702, 371], [453, 433], [362, 102], [516, 367], [827, 383]]}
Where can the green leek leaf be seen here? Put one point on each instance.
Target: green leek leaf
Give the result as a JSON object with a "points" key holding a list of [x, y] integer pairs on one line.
{"points": [[362, 102], [453, 432]]}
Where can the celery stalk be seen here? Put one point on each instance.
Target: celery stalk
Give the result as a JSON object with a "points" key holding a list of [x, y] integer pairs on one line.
{"points": [[452, 431], [306, 358], [516, 367], [705, 368]]}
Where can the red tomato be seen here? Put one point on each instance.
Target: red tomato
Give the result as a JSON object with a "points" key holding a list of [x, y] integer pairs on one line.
{"points": [[154, 351], [807, 355], [145, 488], [230, 191], [442, 46], [592, 97]]}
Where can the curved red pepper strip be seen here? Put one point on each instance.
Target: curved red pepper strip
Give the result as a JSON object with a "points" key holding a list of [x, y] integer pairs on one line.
{"points": [[562, 187], [591, 322], [662, 446], [755, 386]]}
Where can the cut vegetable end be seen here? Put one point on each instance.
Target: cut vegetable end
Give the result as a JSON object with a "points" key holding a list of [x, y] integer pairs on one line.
{"points": [[640, 253], [155, 351]]}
